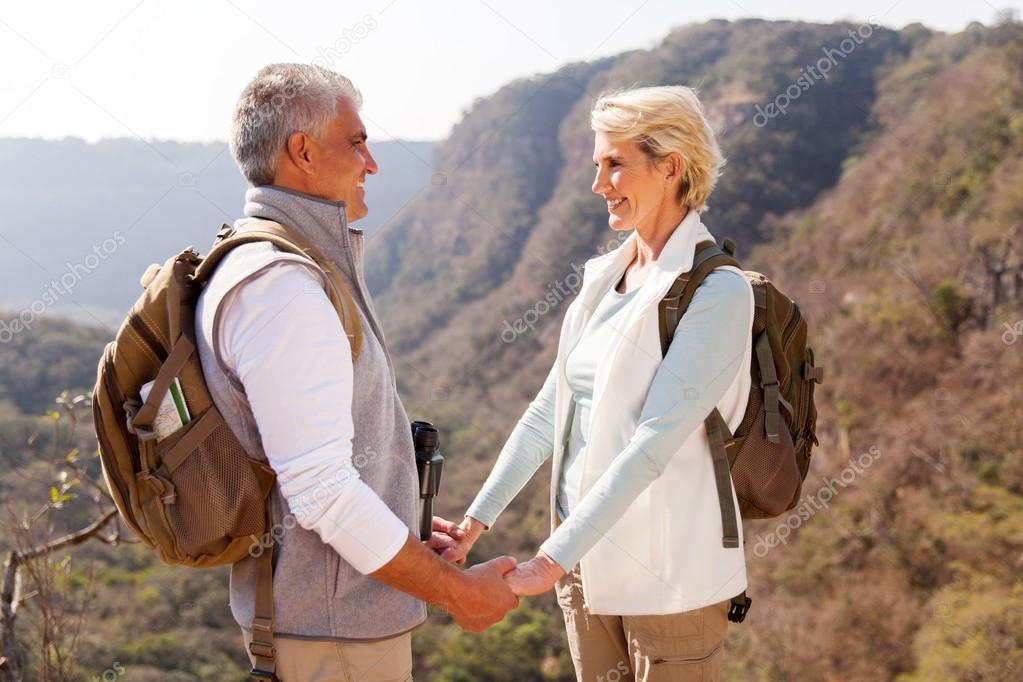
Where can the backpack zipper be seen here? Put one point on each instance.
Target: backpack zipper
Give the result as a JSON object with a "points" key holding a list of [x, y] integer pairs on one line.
{"points": [[148, 337], [113, 392], [785, 339], [790, 325]]}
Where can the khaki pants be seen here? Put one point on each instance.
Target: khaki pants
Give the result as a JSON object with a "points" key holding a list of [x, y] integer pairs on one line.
{"points": [[317, 660], [681, 647]]}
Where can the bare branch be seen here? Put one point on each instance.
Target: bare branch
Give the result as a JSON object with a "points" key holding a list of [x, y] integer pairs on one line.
{"points": [[69, 540]]}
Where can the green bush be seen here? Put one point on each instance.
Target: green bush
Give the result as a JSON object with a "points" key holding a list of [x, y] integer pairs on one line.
{"points": [[527, 646], [951, 306], [975, 633]]}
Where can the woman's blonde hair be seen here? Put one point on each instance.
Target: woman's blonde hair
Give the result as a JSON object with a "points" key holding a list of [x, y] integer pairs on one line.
{"points": [[661, 120]]}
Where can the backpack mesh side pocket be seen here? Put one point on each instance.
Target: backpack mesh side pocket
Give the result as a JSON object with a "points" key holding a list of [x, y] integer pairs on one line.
{"points": [[217, 496]]}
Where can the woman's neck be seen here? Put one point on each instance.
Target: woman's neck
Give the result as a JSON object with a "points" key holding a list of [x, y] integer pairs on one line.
{"points": [[650, 239]]}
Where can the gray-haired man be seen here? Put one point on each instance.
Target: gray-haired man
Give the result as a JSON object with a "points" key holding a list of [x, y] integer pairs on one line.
{"points": [[350, 577]]}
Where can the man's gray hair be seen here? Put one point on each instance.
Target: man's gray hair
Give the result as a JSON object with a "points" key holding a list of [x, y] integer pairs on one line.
{"points": [[281, 100]]}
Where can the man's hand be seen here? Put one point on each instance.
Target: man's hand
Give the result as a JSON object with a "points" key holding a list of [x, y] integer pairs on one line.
{"points": [[453, 542], [484, 597], [535, 576], [477, 598]]}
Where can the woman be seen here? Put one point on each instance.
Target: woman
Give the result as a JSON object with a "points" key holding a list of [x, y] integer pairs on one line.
{"points": [[635, 550]]}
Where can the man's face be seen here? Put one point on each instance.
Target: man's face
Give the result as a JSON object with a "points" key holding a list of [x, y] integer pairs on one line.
{"points": [[342, 161]]}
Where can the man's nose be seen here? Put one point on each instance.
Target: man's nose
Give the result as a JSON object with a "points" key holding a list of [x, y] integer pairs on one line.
{"points": [[371, 164]]}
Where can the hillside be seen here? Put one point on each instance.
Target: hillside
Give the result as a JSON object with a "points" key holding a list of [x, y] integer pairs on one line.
{"points": [[914, 573], [887, 201], [497, 249], [515, 210]]}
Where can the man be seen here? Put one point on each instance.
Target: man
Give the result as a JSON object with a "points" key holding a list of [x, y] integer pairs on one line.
{"points": [[350, 578]]}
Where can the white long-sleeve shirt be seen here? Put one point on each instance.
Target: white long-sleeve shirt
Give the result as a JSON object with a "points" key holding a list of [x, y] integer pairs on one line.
{"points": [[282, 338]]}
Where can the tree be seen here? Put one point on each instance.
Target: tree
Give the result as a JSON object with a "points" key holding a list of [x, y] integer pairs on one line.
{"points": [[34, 570]]}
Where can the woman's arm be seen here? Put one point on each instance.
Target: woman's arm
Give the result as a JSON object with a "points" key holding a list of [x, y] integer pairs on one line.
{"points": [[529, 446], [701, 363]]}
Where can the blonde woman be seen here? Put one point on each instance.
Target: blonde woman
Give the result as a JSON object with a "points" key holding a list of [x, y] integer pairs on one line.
{"points": [[636, 550]]}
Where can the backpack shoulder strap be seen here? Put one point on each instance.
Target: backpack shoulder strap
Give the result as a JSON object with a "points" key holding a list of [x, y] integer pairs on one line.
{"points": [[228, 238], [673, 306], [289, 242]]}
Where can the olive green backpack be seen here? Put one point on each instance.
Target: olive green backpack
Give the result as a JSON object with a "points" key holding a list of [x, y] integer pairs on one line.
{"points": [[768, 455]]}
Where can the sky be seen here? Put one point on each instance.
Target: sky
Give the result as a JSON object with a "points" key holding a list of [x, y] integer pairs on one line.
{"points": [[172, 69]]}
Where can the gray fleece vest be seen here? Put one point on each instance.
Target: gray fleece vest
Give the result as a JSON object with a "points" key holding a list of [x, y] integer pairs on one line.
{"points": [[316, 593]]}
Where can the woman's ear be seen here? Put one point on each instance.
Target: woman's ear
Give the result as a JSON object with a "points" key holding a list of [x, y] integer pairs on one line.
{"points": [[673, 168]]}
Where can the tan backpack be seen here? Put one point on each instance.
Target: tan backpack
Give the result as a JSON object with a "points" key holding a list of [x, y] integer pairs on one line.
{"points": [[194, 497], [769, 454]]}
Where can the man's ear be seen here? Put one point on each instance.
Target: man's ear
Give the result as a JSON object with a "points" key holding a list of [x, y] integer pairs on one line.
{"points": [[299, 150]]}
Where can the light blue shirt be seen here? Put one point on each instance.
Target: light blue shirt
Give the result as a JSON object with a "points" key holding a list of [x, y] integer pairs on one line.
{"points": [[705, 354], [581, 371]]}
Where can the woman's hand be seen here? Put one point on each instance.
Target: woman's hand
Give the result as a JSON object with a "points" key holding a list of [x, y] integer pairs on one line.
{"points": [[451, 541], [535, 576]]}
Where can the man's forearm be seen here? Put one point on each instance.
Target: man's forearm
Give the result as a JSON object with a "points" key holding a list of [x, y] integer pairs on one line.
{"points": [[418, 571], [476, 598]]}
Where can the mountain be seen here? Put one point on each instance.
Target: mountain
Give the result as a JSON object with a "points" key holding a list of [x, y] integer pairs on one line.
{"points": [[514, 216], [92, 217], [510, 210], [886, 201]]}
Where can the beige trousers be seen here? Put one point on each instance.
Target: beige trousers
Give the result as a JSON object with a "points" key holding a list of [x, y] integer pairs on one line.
{"points": [[680, 647], [317, 660]]}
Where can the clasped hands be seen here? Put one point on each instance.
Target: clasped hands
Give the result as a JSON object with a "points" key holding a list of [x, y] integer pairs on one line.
{"points": [[452, 542]]}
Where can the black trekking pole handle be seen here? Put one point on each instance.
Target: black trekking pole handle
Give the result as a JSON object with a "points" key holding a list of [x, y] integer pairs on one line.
{"points": [[430, 465]]}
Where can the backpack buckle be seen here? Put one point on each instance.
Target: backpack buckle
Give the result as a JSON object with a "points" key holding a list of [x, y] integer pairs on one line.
{"points": [[263, 653], [738, 608], [811, 373], [262, 649], [224, 232], [263, 675]]}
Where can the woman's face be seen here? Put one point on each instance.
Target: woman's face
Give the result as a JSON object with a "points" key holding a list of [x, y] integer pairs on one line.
{"points": [[634, 187]]}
